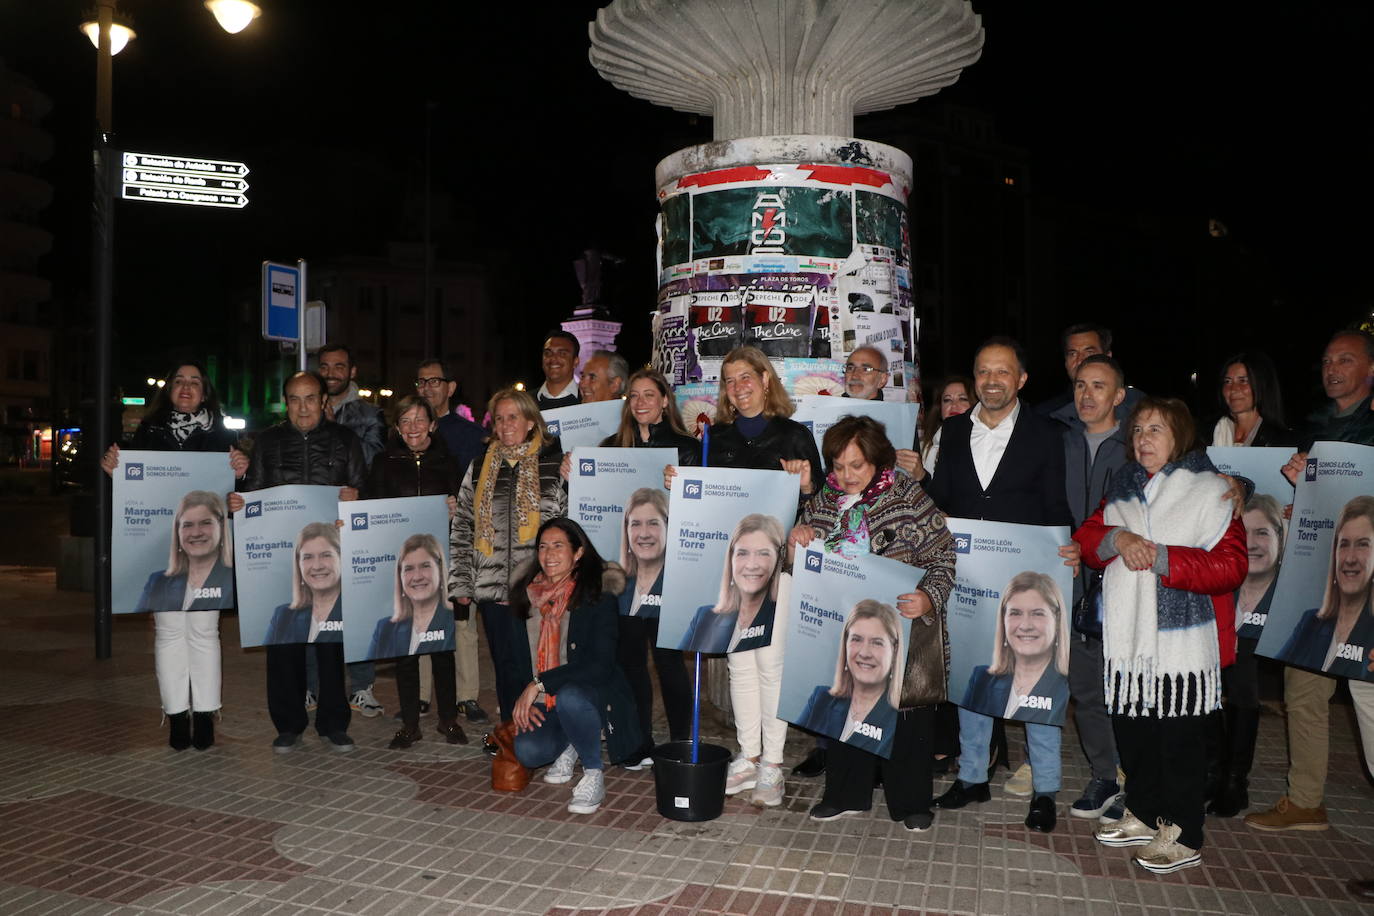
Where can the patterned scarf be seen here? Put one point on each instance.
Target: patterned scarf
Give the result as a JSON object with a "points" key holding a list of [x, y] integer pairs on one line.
{"points": [[526, 508], [850, 535], [183, 424], [552, 601]]}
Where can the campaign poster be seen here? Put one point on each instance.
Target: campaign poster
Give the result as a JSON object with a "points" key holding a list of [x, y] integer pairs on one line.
{"points": [[846, 646], [395, 575], [727, 534], [170, 532], [1009, 619], [601, 484], [290, 566], [1321, 617], [583, 424], [1262, 466], [818, 413]]}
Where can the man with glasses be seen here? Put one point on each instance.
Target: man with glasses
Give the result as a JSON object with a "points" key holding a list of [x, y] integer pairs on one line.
{"points": [[465, 442], [865, 377], [561, 350]]}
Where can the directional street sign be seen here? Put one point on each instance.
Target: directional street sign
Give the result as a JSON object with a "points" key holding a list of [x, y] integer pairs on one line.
{"points": [[183, 180]]}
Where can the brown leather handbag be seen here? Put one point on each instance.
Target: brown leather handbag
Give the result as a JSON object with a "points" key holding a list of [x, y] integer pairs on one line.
{"points": [[927, 662], [508, 774]]}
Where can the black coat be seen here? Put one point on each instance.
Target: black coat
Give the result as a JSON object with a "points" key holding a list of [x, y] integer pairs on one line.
{"points": [[1269, 434], [1028, 487], [329, 455], [781, 438], [662, 435], [398, 472], [156, 436], [466, 440]]}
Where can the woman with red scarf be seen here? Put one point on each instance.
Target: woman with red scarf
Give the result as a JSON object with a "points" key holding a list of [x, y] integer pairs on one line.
{"points": [[568, 603]]}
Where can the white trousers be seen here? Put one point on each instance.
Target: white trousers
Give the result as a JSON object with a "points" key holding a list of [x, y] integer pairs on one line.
{"points": [[755, 682], [186, 656]]}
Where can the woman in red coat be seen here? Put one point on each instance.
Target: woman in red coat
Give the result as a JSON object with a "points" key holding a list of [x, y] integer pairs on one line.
{"points": [[1173, 555]]}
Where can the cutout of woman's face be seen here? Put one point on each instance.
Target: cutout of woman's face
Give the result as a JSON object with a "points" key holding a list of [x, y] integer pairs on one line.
{"points": [[752, 563], [1355, 556], [1029, 625], [198, 532], [420, 576], [869, 652], [319, 565], [647, 531], [1262, 542]]}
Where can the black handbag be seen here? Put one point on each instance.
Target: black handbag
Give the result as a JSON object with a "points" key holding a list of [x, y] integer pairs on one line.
{"points": [[1087, 610]]}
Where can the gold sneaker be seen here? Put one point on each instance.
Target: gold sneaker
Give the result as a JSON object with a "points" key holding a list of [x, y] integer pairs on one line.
{"points": [[1018, 784], [1287, 816], [1165, 854], [1128, 831]]}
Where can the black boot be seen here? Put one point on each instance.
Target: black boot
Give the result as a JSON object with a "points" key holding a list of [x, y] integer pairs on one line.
{"points": [[1233, 797], [204, 731], [180, 737]]}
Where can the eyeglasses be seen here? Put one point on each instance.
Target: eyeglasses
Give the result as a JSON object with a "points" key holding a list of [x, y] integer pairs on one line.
{"points": [[861, 368], [430, 382]]}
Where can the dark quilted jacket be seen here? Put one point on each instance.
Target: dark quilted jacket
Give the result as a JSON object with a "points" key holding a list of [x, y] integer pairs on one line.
{"points": [[328, 455]]}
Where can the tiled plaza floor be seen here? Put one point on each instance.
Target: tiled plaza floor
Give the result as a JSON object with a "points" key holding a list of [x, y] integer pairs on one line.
{"points": [[97, 815]]}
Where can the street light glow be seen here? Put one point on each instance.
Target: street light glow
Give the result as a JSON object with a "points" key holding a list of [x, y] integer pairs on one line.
{"points": [[386, 392], [234, 422], [120, 35], [233, 15], [151, 381]]}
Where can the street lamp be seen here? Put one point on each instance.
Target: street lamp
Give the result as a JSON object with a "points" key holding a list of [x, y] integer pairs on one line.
{"points": [[120, 34], [233, 15]]}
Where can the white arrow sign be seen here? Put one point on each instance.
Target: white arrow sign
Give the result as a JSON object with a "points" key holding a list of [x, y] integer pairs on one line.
{"points": [[188, 180]]}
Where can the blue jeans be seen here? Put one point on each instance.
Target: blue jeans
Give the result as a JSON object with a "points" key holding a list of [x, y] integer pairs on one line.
{"points": [[1042, 747], [576, 720]]}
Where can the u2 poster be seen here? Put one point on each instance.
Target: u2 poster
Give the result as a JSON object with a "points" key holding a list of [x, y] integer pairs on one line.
{"points": [[1320, 618], [171, 543], [727, 537], [290, 566], [846, 646], [1009, 619], [600, 484], [395, 574]]}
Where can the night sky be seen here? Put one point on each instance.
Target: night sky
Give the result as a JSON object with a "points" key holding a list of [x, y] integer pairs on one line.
{"points": [[1247, 113]]}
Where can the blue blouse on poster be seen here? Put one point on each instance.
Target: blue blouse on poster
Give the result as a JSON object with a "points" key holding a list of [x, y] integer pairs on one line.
{"points": [[988, 694], [826, 714], [649, 605], [292, 625], [1311, 642], [168, 593], [711, 632], [391, 639]]}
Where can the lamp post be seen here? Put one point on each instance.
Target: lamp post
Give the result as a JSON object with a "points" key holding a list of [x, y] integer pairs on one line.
{"points": [[109, 37]]}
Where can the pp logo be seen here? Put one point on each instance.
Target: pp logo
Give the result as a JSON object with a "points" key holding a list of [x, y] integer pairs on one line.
{"points": [[691, 489], [555, 428], [253, 510], [358, 521], [962, 542], [586, 467], [133, 472], [1310, 474], [810, 426], [813, 561]]}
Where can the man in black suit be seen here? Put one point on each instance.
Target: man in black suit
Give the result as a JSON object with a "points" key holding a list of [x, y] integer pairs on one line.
{"points": [[1003, 463]]}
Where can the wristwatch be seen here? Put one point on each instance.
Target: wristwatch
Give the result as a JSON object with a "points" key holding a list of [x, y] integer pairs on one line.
{"points": [[540, 684]]}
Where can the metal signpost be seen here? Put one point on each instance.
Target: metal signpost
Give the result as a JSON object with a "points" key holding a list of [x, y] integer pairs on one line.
{"points": [[183, 180]]}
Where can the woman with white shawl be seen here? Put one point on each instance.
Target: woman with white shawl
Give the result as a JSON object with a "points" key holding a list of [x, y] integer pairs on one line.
{"points": [[1173, 555]]}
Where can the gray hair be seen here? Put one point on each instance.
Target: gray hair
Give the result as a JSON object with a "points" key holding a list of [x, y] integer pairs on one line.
{"points": [[616, 365]]}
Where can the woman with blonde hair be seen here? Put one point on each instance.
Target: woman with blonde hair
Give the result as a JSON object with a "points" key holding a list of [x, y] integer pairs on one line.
{"points": [[1028, 677], [315, 613], [420, 621], [860, 705], [504, 499]]}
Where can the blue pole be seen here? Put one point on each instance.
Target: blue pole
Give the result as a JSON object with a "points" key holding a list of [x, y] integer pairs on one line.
{"points": [[696, 677]]}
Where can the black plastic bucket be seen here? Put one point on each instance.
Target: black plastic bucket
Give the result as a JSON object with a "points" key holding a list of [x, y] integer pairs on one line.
{"points": [[690, 791]]}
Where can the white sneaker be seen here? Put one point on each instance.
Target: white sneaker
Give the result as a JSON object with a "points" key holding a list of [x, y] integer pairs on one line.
{"points": [[588, 794], [743, 774], [310, 702], [643, 764], [1165, 853], [768, 790], [1128, 830], [365, 703], [561, 770], [1018, 784]]}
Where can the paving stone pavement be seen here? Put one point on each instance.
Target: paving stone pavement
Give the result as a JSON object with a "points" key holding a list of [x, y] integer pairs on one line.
{"points": [[99, 816]]}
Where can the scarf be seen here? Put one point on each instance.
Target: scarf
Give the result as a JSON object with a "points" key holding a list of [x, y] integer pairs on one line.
{"points": [[526, 508], [552, 601], [850, 535], [1153, 636], [183, 424]]}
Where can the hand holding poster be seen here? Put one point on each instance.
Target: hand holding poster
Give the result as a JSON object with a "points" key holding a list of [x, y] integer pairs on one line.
{"points": [[818, 413], [1320, 617], [171, 547], [846, 646], [583, 424], [601, 483], [289, 566], [1009, 621], [395, 570], [727, 531]]}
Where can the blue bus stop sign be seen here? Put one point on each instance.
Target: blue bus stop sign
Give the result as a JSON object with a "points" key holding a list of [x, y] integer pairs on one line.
{"points": [[281, 302]]}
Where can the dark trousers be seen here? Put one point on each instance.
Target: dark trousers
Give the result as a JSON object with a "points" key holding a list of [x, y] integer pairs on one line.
{"points": [[286, 688], [1231, 733], [1090, 706], [510, 654], [639, 636], [445, 686], [1165, 760], [907, 777]]}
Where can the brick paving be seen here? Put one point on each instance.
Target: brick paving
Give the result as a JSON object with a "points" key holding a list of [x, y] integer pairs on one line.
{"points": [[99, 816]]}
